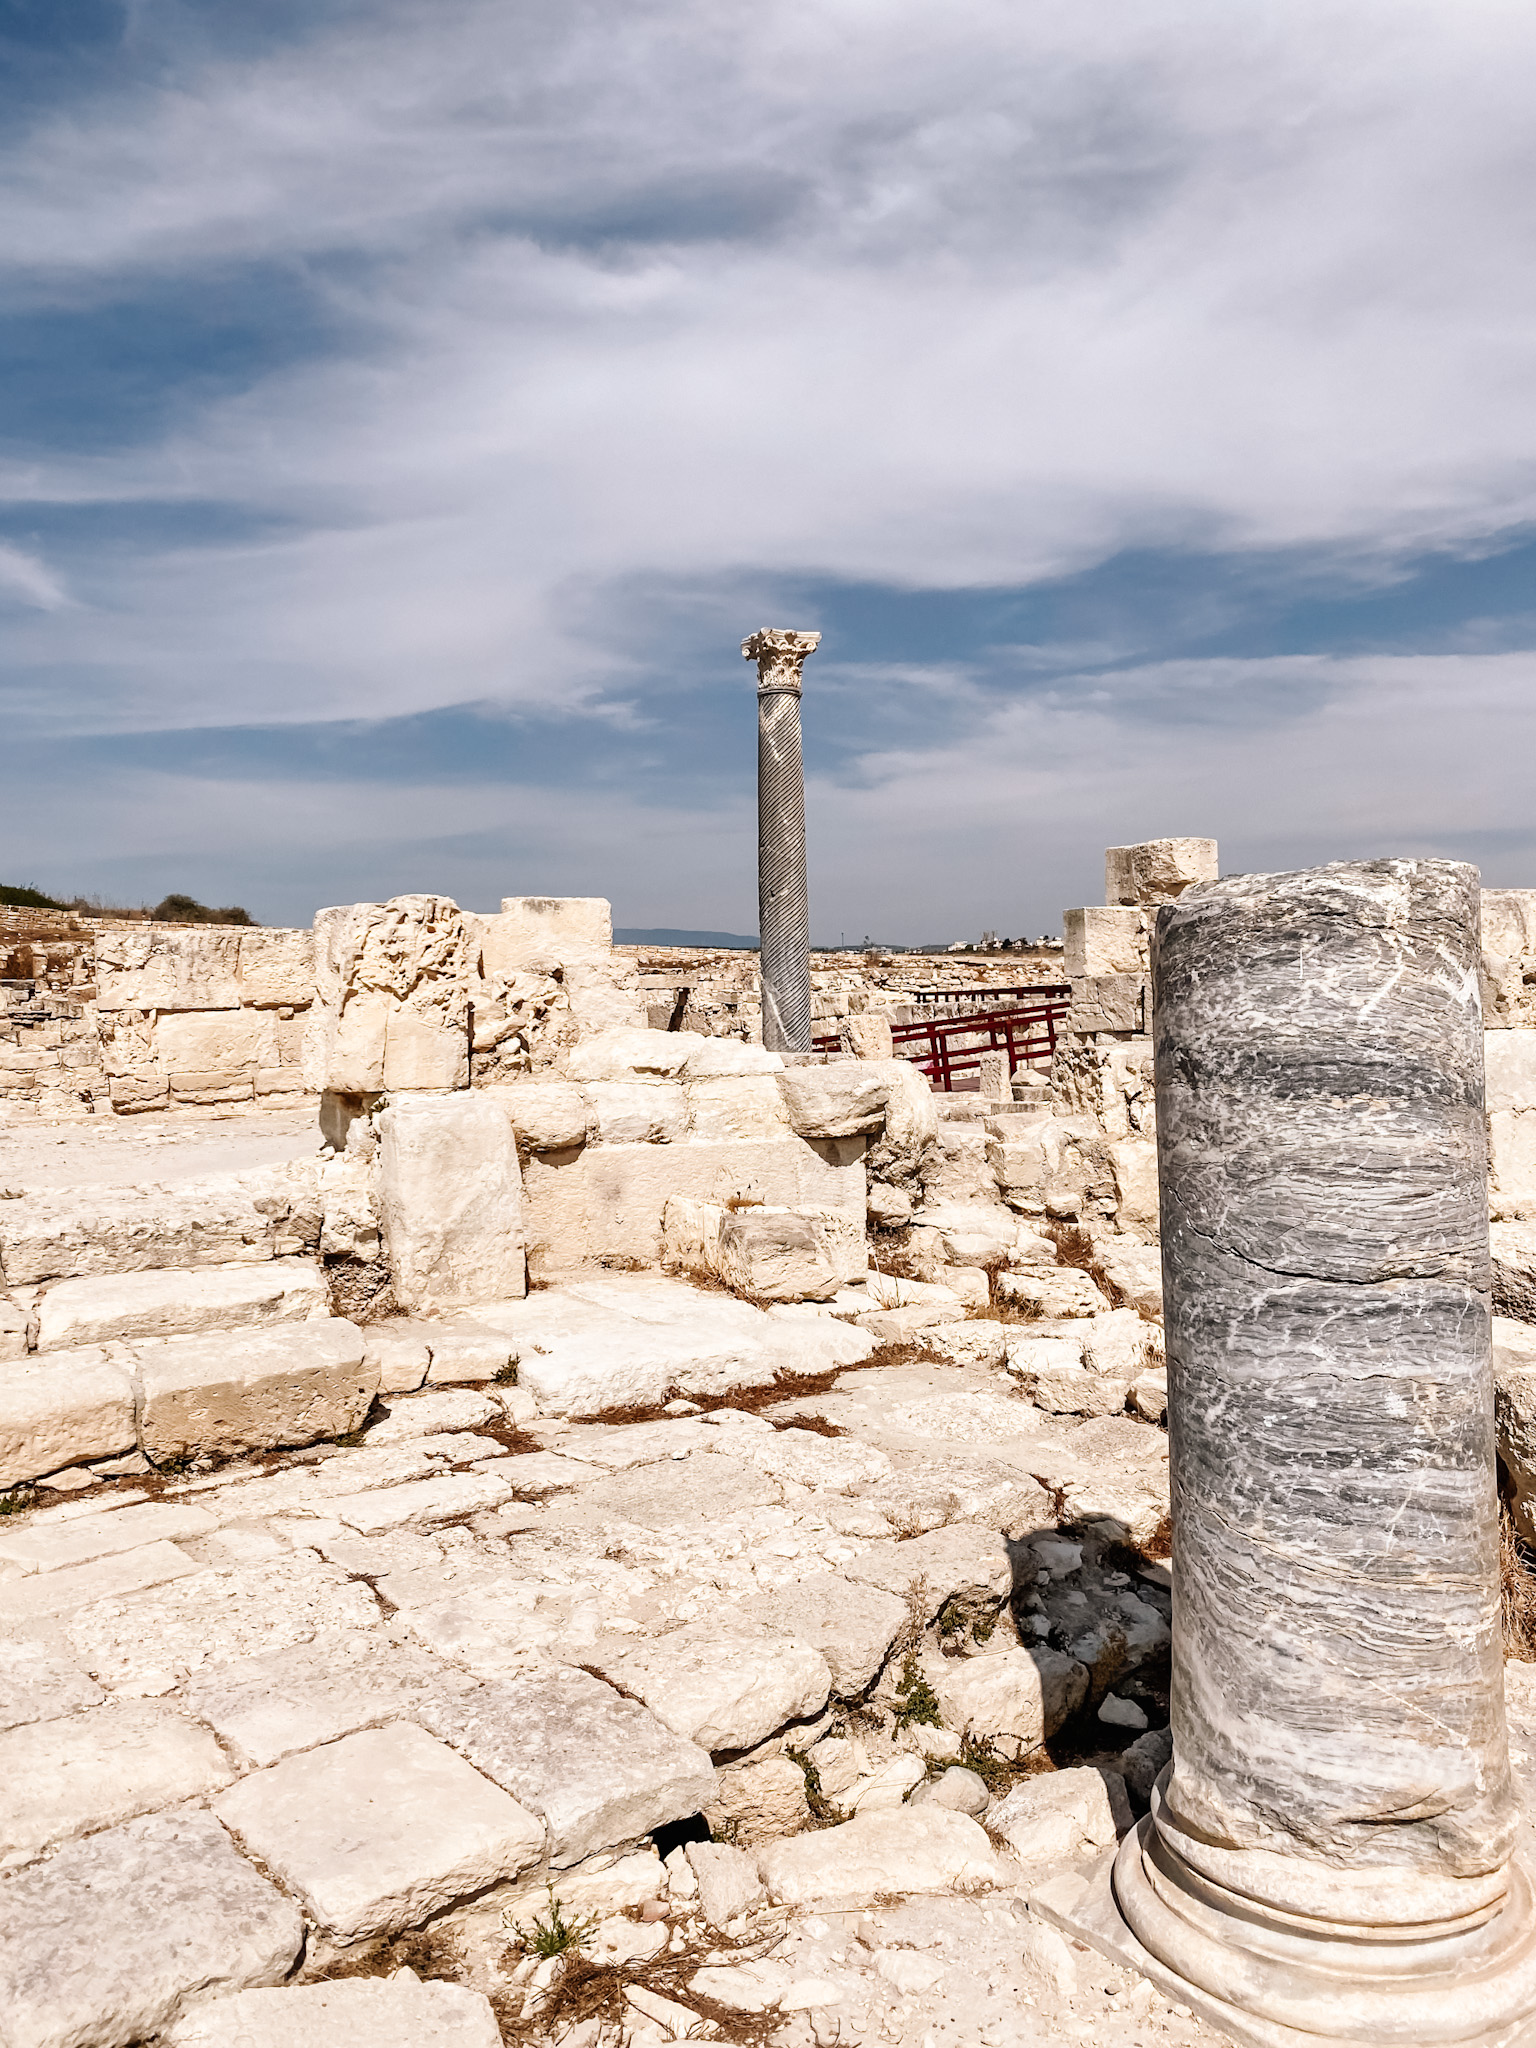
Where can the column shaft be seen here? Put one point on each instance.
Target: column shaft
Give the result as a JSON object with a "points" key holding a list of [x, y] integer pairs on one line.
{"points": [[783, 905]]}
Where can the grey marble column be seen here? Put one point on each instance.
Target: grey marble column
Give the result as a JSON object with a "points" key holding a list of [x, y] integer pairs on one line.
{"points": [[1332, 1853], [784, 947]]}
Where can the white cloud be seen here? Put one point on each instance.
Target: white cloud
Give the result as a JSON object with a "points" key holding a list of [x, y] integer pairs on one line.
{"points": [[29, 578]]}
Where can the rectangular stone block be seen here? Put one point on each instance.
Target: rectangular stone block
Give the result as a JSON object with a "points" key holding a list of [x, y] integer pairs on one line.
{"points": [[1157, 870], [451, 1197], [92, 1770], [14, 1323], [1510, 1060], [765, 1254], [104, 1943], [111, 1579], [179, 1301], [214, 1041], [77, 1406], [651, 1112], [220, 1220], [295, 1698], [737, 1106], [50, 1542], [213, 1086], [1099, 940], [536, 928], [133, 1093], [424, 1052], [284, 1082], [1109, 1002], [37, 1683], [381, 1830], [548, 1116], [277, 968], [599, 1768], [146, 969], [252, 1389], [367, 2011]]}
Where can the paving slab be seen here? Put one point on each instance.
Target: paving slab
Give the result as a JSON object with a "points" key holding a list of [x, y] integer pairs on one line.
{"points": [[724, 1683], [355, 2012], [417, 1415], [179, 1300], [47, 1543], [101, 1945], [145, 1642], [852, 1624], [381, 1830], [935, 1568], [600, 1768], [419, 1505], [910, 1849], [40, 1594], [240, 1390], [305, 1694], [39, 1683], [90, 1770]]}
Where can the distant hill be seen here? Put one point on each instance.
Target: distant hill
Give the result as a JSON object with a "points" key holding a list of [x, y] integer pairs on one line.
{"points": [[664, 935]]}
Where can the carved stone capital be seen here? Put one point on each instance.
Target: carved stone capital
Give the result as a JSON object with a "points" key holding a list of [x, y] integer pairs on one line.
{"points": [[780, 656]]}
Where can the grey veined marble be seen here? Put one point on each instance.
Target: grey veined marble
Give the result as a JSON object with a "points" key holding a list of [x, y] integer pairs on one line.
{"points": [[1329, 1855]]}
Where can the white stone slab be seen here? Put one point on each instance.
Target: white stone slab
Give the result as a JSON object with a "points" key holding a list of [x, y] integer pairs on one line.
{"points": [[44, 1543], [63, 1778], [55, 1412], [420, 1505], [911, 1849], [427, 1414], [400, 1351], [1016, 1700], [39, 1683], [104, 1578], [724, 1683], [103, 1944], [852, 1625], [353, 2012], [451, 1200], [295, 1698], [178, 1301], [252, 1389], [598, 1767], [380, 1830], [464, 1350], [213, 1221]]}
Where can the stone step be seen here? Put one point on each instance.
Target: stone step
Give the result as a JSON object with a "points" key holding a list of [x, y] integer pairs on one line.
{"points": [[177, 1301]]}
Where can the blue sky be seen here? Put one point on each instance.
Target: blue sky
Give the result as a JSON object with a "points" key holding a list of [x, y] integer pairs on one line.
{"points": [[406, 412]]}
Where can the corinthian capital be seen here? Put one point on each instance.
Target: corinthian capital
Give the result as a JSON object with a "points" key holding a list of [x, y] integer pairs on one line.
{"points": [[780, 656]]}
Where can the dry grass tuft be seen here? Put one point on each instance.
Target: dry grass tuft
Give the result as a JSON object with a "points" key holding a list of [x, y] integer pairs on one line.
{"points": [[1517, 1582]]}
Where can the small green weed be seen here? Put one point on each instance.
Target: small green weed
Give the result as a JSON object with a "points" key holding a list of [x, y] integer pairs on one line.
{"points": [[916, 1700], [823, 1811], [18, 1501], [507, 1377], [994, 1771], [558, 1936]]}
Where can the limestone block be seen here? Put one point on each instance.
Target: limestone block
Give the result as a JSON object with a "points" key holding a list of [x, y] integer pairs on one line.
{"points": [[276, 969], [728, 1882], [1157, 870], [1120, 1345], [913, 1849], [548, 1116], [1099, 940], [728, 1058], [851, 1624], [959, 1562], [1510, 1058], [380, 1830], [1065, 1389], [422, 1052], [633, 1055], [1514, 1269], [598, 1767], [736, 1106], [1514, 1389], [534, 928], [758, 1802], [1112, 1471], [1016, 1700], [1062, 1291], [957, 1788], [156, 1304], [344, 1052], [50, 1543], [354, 2012], [419, 1506], [1110, 1002], [38, 1683], [92, 1770], [430, 1414], [215, 1221], [911, 1121], [76, 1406], [607, 1202], [132, 1094], [301, 1695], [104, 1943], [724, 1683], [225, 1041], [146, 969], [399, 1351], [1131, 1273], [1507, 968], [214, 1084], [450, 1194], [867, 1037], [1041, 1154], [763, 1253], [957, 1171], [837, 1101], [1143, 1762], [463, 1352], [649, 1112], [252, 1389], [280, 1087], [1061, 1815], [13, 1330], [1149, 1396], [976, 1343]]}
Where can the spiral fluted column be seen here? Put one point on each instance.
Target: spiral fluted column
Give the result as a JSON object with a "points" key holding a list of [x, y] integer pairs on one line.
{"points": [[783, 907]]}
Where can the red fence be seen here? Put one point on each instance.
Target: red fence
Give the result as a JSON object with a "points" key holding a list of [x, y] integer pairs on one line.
{"points": [[946, 1046]]}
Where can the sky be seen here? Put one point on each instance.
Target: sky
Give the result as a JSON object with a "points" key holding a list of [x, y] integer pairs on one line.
{"points": [[405, 412]]}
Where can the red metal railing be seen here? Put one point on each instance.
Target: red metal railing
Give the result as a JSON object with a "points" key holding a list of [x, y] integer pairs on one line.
{"points": [[943, 1047]]}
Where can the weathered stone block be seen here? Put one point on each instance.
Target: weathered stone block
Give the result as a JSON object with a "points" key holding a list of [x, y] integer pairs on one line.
{"points": [[1016, 1700], [38, 1683], [1514, 1270], [652, 1112], [424, 1052], [91, 1770], [633, 1054], [533, 928], [725, 1683], [913, 1849], [1510, 1058], [213, 1086], [157, 1304], [380, 1830], [398, 2012], [1100, 940], [14, 1323], [104, 1943], [736, 1106], [765, 1254], [222, 1041], [597, 1766], [548, 1116], [400, 1352], [1062, 1814], [168, 970], [1109, 1002], [131, 1094], [450, 1193], [252, 1389], [277, 969], [837, 1101], [1157, 870], [852, 1625], [52, 1542], [466, 1352], [76, 1406]]}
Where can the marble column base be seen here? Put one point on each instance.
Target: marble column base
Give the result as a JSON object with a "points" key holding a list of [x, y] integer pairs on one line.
{"points": [[1269, 1984]]}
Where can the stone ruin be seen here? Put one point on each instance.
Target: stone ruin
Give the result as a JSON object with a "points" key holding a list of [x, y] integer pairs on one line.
{"points": [[720, 1496]]}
